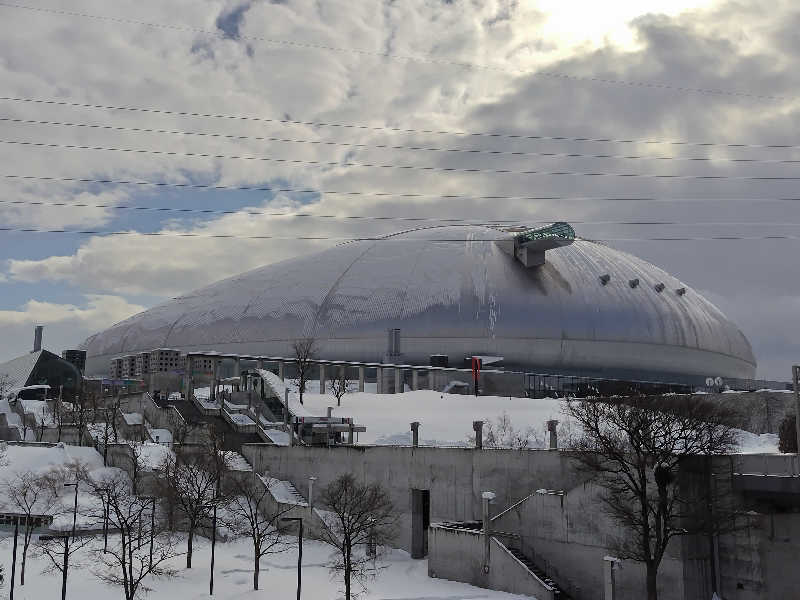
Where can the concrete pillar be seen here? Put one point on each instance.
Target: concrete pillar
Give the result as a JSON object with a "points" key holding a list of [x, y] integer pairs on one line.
{"points": [[415, 380], [188, 378], [259, 364], [322, 378], [610, 567], [486, 497], [360, 379], [311, 481], [281, 370], [551, 427], [398, 381], [237, 367], [214, 376], [379, 379], [415, 434], [477, 426], [342, 373], [350, 434]]}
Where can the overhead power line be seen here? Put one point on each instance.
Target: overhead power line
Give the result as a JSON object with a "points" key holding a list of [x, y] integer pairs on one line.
{"points": [[381, 194], [405, 130], [477, 221], [386, 238], [426, 59], [472, 151], [350, 164]]}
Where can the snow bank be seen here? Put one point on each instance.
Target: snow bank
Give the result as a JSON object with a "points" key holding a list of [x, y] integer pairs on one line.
{"points": [[446, 419]]}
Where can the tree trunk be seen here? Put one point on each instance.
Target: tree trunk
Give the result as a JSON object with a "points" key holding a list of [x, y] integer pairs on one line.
{"points": [[189, 549], [24, 560], [652, 589], [255, 573]]}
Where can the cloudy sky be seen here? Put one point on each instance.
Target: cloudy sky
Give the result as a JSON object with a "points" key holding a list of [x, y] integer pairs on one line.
{"points": [[707, 72]]}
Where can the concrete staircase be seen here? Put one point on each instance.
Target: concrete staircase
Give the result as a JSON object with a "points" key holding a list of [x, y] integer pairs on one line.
{"points": [[557, 591]]}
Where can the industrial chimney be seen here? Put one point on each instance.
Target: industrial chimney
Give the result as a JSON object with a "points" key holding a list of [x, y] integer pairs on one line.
{"points": [[37, 338]]}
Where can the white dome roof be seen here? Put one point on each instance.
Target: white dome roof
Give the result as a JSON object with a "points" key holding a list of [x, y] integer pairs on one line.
{"points": [[451, 290]]}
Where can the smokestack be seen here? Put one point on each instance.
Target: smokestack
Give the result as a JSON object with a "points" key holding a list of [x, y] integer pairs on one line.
{"points": [[37, 338]]}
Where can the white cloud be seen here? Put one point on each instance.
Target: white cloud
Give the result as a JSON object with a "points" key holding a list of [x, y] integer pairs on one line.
{"points": [[126, 65], [66, 325]]}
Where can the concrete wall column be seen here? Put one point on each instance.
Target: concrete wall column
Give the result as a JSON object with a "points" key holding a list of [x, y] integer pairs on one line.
{"points": [[551, 428], [187, 378], [398, 381], [477, 426], [360, 379], [260, 364], [610, 566], [379, 379], [237, 367], [415, 379], [281, 370], [415, 434], [322, 378], [214, 376]]}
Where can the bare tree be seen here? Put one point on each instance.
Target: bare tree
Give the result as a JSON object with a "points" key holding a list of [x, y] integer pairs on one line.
{"points": [[52, 551], [249, 514], [130, 563], [305, 351], [194, 486], [28, 494], [634, 452], [341, 386], [5, 387], [359, 515]]}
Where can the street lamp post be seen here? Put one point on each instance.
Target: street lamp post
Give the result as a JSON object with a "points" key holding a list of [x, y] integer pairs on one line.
{"points": [[14, 557], [66, 541], [213, 545], [299, 551]]}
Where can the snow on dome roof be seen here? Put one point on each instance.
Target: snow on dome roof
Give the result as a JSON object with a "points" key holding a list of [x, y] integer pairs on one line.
{"points": [[452, 290]]}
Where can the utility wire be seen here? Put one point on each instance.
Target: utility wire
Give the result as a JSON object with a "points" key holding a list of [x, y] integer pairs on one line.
{"points": [[501, 153], [271, 189], [385, 128], [476, 221], [402, 57], [387, 238], [349, 164]]}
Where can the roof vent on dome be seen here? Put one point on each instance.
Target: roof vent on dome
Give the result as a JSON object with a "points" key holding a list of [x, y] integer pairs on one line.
{"points": [[633, 283], [604, 279], [680, 291], [529, 245], [659, 287]]}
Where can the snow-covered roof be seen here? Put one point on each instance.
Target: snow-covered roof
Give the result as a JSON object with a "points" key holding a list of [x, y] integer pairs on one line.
{"points": [[18, 370]]}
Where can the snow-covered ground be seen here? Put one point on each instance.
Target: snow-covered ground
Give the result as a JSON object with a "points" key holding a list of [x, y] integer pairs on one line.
{"points": [[403, 578], [446, 419]]}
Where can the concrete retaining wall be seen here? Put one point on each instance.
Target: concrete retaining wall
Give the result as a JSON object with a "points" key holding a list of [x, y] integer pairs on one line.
{"points": [[455, 476]]}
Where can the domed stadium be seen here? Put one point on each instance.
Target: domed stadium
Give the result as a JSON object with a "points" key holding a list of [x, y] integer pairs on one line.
{"points": [[539, 298]]}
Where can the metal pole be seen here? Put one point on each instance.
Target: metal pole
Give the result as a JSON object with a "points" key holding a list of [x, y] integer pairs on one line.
{"points": [[152, 530], [14, 557], [300, 559], [213, 544], [66, 566], [75, 507]]}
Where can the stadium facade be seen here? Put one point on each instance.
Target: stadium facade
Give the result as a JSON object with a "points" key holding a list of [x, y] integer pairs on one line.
{"points": [[540, 299]]}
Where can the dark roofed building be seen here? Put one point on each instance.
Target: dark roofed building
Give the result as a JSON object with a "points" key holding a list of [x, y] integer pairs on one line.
{"points": [[41, 368]]}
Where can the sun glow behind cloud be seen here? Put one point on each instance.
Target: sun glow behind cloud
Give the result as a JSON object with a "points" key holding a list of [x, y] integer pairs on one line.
{"points": [[589, 24]]}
